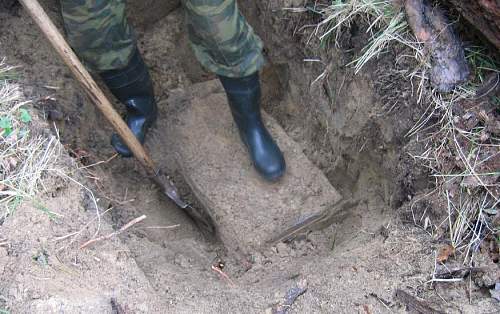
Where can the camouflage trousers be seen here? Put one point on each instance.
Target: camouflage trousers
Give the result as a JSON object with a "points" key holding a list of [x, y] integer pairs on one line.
{"points": [[222, 40]]}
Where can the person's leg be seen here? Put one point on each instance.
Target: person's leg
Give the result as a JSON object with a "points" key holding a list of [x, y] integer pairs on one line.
{"points": [[99, 33], [222, 40], [224, 43]]}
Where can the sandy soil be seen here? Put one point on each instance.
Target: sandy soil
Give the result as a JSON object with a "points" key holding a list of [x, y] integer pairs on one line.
{"points": [[355, 266]]}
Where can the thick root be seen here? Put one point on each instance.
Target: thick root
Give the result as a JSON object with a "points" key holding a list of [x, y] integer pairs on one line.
{"points": [[429, 25]]}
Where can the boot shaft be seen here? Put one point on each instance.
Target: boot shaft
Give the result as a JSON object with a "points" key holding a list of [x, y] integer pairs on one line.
{"points": [[132, 86], [133, 81], [244, 96]]}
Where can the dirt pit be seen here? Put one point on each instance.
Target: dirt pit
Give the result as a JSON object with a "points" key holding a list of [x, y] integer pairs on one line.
{"points": [[364, 263]]}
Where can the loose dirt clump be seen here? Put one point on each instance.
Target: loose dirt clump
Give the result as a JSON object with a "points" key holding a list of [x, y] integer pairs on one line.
{"points": [[346, 124]]}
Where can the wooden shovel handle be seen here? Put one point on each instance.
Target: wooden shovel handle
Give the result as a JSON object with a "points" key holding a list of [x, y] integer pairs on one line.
{"points": [[89, 85]]}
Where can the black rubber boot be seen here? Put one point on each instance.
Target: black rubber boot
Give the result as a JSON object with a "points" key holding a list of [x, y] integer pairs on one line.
{"points": [[244, 100], [133, 87]]}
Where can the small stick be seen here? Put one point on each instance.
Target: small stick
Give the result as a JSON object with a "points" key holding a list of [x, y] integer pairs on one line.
{"points": [[100, 162], [113, 199], [106, 237], [385, 303], [223, 275], [66, 236], [51, 87], [162, 227]]}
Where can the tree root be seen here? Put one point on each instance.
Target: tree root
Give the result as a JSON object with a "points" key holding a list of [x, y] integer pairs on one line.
{"points": [[447, 57]]}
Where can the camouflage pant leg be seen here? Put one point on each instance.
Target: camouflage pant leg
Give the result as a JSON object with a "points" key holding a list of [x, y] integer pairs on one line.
{"points": [[222, 39], [99, 32]]}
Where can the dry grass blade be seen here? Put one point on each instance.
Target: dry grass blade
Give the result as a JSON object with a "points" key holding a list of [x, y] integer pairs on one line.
{"points": [[24, 157], [386, 26], [470, 186]]}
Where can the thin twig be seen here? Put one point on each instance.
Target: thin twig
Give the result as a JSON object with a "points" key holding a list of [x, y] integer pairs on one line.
{"points": [[223, 275], [106, 237], [100, 162], [162, 227]]}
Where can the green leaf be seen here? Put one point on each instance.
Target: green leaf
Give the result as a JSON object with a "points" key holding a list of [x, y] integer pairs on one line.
{"points": [[47, 211], [24, 115], [6, 125], [13, 204]]}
